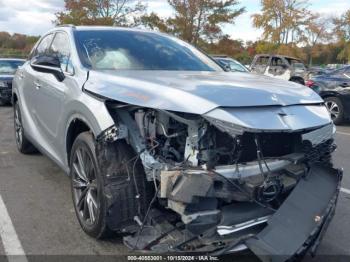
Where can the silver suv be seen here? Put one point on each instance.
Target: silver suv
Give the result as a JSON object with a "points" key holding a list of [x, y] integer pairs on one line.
{"points": [[165, 147]]}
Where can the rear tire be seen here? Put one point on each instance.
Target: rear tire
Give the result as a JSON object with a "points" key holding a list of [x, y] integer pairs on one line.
{"points": [[23, 144], [112, 196], [336, 109]]}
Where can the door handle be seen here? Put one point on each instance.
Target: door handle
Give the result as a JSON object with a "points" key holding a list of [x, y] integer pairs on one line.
{"points": [[37, 85]]}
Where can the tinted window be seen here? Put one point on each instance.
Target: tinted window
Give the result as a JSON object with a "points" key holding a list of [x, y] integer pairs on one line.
{"points": [[277, 61], [233, 65], [260, 64], [44, 45], [8, 67], [60, 47], [134, 50], [263, 60]]}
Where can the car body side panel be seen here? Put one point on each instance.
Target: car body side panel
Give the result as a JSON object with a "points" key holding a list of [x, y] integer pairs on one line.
{"points": [[26, 93], [345, 99], [73, 104], [80, 105]]}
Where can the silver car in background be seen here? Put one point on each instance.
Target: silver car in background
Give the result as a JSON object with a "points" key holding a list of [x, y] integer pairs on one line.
{"points": [[165, 147]]}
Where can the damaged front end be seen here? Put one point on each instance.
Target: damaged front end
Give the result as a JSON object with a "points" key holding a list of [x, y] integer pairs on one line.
{"points": [[232, 179]]}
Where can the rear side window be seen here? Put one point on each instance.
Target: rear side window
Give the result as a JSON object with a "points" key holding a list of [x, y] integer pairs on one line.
{"points": [[260, 64], [277, 61], [44, 45], [60, 47], [263, 60]]}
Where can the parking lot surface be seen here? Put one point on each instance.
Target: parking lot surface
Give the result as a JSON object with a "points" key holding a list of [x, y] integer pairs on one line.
{"points": [[37, 197]]}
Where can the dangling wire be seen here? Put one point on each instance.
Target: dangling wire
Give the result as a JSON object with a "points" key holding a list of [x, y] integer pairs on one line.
{"points": [[261, 158]]}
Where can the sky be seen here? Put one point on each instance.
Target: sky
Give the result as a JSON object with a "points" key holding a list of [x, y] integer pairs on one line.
{"points": [[34, 17]]}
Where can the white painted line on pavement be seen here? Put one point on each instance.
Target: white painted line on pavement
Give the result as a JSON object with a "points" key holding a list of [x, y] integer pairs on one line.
{"points": [[12, 245], [343, 133], [344, 190]]}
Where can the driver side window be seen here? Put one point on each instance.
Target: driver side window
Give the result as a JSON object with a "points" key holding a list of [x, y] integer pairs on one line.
{"points": [[261, 64], [43, 46], [60, 48], [278, 66]]}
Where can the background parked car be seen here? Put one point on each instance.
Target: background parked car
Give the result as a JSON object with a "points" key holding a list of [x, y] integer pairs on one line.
{"points": [[317, 70], [8, 68], [334, 88], [230, 64], [278, 66]]}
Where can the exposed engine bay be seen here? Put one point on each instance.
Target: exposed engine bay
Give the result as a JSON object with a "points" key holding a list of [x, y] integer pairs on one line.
{"points": [[215, 183]]}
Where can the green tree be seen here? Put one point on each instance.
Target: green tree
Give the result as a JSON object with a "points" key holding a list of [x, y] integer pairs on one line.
{"points": [[342, 30], [196, 21], [282, 21], [317, 30], [101, 12]]}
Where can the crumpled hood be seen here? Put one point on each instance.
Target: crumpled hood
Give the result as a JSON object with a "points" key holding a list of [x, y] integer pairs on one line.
{"points": [[197, 92]]}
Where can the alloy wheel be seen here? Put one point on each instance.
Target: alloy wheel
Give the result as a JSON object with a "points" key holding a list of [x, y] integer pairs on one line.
{"points": [[333, 109], [85, 189]]}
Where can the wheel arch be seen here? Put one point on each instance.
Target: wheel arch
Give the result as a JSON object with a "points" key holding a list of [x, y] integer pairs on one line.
{"points": [[326, 95], [76, 126]]}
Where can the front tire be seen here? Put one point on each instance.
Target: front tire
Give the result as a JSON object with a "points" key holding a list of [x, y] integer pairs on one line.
{"points": [[105, 204], [336, 109], [87, 187]]}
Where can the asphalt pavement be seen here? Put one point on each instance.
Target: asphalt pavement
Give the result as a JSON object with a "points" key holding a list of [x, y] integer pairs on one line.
{"points": [[37, 197]]}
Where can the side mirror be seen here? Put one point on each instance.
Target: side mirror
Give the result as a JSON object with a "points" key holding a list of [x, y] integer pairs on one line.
{"points": [[227, 68], [48, 64]]}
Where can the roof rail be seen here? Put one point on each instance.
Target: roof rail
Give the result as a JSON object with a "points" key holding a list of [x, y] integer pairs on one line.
{"points": [[66, 25]]}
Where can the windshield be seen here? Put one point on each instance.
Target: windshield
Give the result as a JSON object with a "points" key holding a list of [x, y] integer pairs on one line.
{"points": [[136, 50], [233, 65], [8, 67]]}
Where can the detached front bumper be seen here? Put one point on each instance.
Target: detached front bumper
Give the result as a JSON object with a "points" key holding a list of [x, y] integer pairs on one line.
{"points": [[295, 228], [300, 223]]}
